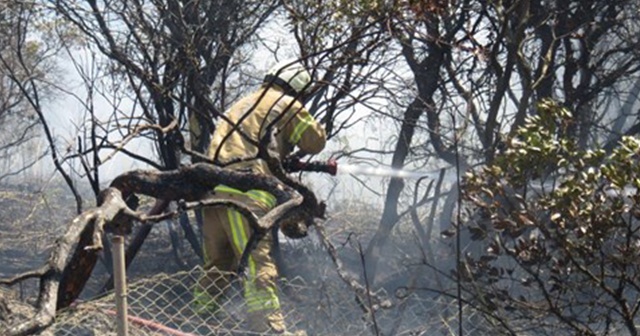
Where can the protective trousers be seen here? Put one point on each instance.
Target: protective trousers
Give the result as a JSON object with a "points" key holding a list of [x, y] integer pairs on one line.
{"points": [[225, 235]]}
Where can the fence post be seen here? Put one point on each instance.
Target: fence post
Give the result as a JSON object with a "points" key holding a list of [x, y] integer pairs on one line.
{"points": [[120, 280]]}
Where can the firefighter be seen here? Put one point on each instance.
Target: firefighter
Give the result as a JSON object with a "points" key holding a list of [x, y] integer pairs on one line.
{"points": [[225, 231]]}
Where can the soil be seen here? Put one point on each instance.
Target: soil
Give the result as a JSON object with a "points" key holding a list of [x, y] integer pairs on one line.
{"points": [[32, 218]]}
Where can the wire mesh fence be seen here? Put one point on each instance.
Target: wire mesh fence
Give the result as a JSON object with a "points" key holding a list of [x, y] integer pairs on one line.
{"points": [[165, 304]]}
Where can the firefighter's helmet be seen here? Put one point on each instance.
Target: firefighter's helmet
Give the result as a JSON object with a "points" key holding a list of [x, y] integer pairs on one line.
{"points": [[289, 75]]}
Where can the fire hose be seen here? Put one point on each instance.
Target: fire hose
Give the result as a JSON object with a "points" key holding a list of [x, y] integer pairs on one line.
{"points": [[294, 164]]}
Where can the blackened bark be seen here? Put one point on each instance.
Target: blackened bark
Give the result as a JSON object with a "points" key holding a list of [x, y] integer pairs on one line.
{"points": [[427, 77]]}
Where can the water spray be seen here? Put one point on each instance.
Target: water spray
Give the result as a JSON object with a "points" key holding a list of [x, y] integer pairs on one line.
{"points": [[383, 171], [333, 168]]}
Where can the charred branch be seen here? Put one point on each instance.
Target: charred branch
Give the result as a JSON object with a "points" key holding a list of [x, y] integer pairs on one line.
{"points": [[193, 182]]}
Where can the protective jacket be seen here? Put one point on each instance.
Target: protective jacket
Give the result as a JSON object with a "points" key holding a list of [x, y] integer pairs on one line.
{"points": [[292, 123]]}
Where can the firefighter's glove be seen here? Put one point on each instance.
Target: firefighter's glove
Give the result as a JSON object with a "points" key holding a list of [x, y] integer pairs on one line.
{"points": [[292, 164], [293, 227]]}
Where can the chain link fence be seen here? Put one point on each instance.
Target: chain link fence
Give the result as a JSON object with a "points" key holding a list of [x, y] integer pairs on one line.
{"points": [[165, 305]]}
